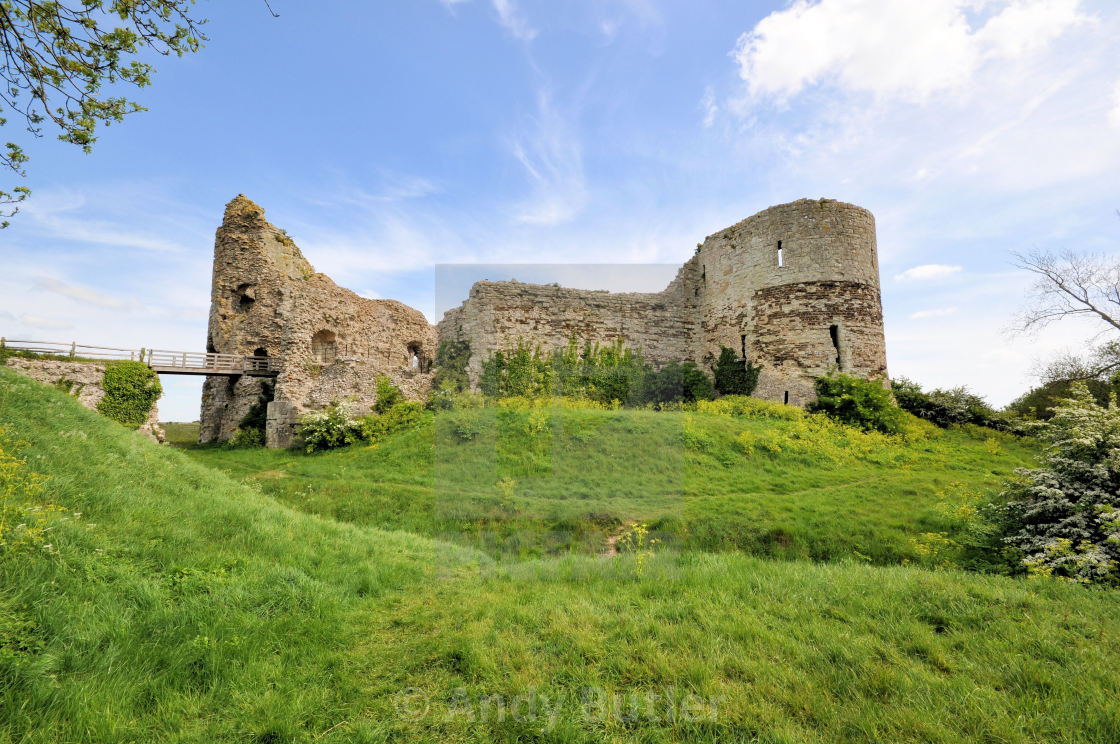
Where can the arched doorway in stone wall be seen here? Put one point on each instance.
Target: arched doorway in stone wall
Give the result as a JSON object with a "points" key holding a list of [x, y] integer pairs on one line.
{"points": [[416, 359]]}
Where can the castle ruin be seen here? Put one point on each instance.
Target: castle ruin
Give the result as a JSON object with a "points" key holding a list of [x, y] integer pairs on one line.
{"points": [[795, 288]]}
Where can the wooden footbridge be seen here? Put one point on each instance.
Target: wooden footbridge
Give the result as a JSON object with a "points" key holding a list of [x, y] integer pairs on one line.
{"points": [[162, 361]]}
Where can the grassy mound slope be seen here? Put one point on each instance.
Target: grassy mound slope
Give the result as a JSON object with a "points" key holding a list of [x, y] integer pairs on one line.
{"points": [[182, 605], [540, 482]]}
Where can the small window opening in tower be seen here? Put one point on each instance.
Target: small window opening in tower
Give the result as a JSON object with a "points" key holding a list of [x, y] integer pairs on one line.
{"points": [[781, 261], [704, 274], [260, 351], [786, 401], [834, 334], [743, 346]]}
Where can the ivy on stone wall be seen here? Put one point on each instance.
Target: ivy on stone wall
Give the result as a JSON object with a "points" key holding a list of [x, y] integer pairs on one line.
{"points": [[131, 389]]}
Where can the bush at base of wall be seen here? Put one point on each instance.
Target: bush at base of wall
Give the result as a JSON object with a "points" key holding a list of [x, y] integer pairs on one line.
{"points": [[131, 389]]}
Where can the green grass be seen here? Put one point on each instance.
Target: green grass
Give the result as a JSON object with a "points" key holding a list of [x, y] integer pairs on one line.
{"points": [[583, 474], [188, 605], [180, 434]]}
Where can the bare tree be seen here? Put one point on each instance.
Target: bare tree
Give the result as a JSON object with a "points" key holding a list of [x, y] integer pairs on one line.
{"points": [[1072, 285]]}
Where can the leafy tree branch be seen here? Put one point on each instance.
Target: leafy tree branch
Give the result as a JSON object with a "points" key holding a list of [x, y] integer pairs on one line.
{"points": [[58, 57]]}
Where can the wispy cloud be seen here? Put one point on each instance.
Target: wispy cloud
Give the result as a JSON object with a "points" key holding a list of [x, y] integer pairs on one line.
{"points": [[37, 321], [65, 216], [709, 106], [81, 294], [937, 313], [552, 157], [927, 272], [514, 21]]}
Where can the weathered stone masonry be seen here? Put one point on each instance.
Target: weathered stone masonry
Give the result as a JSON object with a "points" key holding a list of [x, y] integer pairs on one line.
{"points": [[794, 288], [331, 344]]}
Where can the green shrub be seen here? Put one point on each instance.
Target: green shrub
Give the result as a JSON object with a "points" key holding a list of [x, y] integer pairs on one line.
{"points": [[403, 415], [1064, 518], [674, 383], [388, 394], [519, 371], [330, 428], [864, 404], [1039, 403], [948, 407], [131, 389], [451, 366], [466, 425], [734, 376], [245, 438]]}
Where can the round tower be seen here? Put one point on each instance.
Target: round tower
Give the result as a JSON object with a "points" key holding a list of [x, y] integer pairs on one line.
{"points": [[794, 288]]}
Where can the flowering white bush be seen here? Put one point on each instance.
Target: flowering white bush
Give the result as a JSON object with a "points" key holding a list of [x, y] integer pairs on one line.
{"points": [[1065, 516], [330, 428]]}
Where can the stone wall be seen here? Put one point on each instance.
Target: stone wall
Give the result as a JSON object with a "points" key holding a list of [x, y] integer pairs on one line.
{"points": [[83, 381], [794, 288], [499, 314], [330, 344]]}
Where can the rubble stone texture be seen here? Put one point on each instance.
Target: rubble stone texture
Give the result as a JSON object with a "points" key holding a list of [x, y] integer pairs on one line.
{"points": [[794, 288], [330, 343], [83, 380]]}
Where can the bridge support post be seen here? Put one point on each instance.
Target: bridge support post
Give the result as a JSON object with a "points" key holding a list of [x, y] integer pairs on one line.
{"points": [[280, 424]]}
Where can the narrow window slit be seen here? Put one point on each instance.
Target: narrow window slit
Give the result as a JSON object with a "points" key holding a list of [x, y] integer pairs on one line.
{"points": [[834, 334], [781, 262]]}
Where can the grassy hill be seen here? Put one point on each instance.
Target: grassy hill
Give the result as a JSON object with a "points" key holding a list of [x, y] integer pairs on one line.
{"points": [[546, 481], [173, 601]]}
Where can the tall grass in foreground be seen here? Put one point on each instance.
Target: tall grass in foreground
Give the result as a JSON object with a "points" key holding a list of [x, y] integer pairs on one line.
{"points": [[186, 606]]}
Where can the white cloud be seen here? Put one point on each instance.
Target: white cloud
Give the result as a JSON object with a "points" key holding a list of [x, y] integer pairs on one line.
{"points": [[927, 272], [553, 159], [514, 21], [709, 106], [940, 312], [888, 48], [81, 294]]}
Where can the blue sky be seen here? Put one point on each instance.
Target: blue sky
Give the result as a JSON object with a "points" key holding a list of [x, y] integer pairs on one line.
{"points": [[391, 137]]}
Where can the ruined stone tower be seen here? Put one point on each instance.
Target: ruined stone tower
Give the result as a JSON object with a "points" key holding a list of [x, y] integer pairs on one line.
{"points": [[328, 343], [794, 288]]}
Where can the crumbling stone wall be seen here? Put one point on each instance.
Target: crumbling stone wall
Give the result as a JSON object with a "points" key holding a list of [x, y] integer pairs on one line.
{"points": [[794, 288], [329, 343], [83, 380], [499, 314]]}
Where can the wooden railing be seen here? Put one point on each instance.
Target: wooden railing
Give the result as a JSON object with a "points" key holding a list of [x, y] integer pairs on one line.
{"points": [[161, 360]]}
